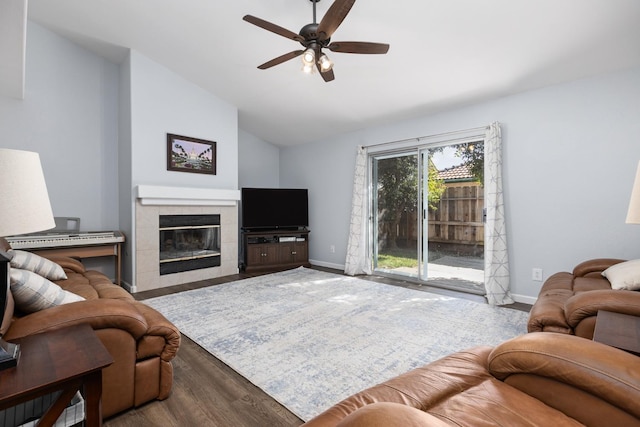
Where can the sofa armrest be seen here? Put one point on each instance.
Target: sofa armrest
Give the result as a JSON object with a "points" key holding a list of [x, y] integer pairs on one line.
{"points": [[574, 365], [586, 304], [597, 265], [159, 330], [100, 314]]}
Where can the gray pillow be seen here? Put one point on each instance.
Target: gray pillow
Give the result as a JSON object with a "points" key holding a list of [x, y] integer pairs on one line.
{"points": [[29, 261], [33, 292]]}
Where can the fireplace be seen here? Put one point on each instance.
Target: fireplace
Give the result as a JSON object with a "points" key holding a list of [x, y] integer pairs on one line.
{"points": [[152, 202], [189, 242]]}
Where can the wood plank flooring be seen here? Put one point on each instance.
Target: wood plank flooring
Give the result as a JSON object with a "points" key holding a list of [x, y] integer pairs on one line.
{"points": [[206, 392]]}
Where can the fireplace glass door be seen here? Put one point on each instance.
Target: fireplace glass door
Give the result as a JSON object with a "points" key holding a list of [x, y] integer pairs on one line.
{"points": [[189, 242]]}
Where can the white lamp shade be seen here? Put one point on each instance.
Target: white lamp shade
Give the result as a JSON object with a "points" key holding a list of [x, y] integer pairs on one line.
{"points": [[24, 201], [633, 215]]}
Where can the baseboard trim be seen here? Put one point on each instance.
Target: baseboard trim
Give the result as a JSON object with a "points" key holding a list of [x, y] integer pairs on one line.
{"points": [[326, 264], [128, 287], [525, 299]]}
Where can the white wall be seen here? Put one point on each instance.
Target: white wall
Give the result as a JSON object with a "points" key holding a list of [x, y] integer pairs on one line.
{"points": [[570, 154]]}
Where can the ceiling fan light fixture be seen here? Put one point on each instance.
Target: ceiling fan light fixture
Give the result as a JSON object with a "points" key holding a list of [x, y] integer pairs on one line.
{"points": [[325, 63], [315, 37], [307, 68], [309, 57]]}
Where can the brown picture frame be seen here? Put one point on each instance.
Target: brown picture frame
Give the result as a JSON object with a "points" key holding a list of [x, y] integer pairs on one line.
{"points": [[187, 154]]}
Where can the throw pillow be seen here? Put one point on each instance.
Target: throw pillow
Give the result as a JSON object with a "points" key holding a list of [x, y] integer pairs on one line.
{"points": [[29, 261], [624, 276], [33, 292]]}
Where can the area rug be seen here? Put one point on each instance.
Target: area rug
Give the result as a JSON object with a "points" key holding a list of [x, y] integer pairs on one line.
{"points": [[310, 339]]}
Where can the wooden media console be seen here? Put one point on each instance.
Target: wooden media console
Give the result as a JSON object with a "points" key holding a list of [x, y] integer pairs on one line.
{"points": [[275, 249]]}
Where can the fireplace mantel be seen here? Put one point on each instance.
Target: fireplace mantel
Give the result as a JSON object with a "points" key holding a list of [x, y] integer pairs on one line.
{"points": [[186, 196]]}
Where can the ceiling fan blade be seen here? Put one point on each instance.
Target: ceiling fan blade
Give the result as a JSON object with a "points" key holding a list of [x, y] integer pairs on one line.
{"points": [[359, 47], [280, 59], [273, 28], [333, 18], [327, 76]]}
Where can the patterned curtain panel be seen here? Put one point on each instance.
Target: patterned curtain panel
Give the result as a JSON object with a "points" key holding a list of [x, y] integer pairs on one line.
{"points": [[358, 258], [496, 262]]}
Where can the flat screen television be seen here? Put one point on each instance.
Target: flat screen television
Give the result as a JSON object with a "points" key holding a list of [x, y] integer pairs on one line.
{"points": [[274, 208]]}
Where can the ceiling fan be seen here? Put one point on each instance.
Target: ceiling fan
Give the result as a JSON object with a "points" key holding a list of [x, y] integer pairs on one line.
{"points": [[316, 36]]}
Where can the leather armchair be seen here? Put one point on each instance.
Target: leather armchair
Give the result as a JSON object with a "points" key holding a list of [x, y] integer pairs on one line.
{"points": [[141, 341], [537, 379], [569, 302]]}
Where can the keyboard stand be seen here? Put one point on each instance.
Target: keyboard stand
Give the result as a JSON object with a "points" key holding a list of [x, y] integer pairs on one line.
{"points": [[85, 250]]}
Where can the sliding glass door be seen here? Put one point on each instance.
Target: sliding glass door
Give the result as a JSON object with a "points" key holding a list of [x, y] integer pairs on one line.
{"points": [[395, 213], [427, 211]]}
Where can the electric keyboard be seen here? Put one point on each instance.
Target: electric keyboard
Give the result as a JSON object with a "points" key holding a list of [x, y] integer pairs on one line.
{"points": [[34, 241]]}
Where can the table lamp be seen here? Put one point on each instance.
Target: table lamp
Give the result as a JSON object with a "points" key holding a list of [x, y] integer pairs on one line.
{"points": [[24, 208], [633, 215]]}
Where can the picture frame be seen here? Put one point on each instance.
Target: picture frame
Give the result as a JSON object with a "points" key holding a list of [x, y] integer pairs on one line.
{"points": [[187, 154]]}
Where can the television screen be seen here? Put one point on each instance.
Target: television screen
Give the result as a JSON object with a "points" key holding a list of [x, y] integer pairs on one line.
{"points": [[265, 208]]}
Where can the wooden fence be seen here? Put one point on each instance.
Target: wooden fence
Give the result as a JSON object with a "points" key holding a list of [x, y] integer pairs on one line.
{"points": [[459, 217], [456, 225]]}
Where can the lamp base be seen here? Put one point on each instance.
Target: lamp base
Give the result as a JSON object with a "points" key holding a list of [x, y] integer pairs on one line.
{"points": [[9, 354]]}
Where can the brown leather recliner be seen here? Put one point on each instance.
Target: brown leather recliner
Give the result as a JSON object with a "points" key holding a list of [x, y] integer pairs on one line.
{"points": [[569, 302], [537, 379], [141, 341]]}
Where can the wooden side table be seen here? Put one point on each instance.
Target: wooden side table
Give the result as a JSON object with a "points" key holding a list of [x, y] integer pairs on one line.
{"points": [[618, 330], [68, 359]]}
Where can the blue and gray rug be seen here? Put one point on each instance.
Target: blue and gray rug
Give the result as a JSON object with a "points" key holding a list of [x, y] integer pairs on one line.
{"points": [[310, 339]]}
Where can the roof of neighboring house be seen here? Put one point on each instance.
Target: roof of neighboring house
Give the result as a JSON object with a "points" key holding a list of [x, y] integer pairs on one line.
{"points": [[456, 173]]}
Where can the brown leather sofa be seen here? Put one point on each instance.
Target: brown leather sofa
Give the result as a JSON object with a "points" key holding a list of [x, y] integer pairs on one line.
{"points": [[537, 379], [141, 341], [569, 302]]}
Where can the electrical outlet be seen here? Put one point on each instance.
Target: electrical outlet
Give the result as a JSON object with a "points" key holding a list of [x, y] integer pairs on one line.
{"points": [[332, 249], [536, 274]]}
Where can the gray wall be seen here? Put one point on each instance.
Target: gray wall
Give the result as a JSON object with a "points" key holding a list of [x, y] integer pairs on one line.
{"points": [[163, 102], [258, 162], [69, 115], [125, 150], [570, 155]]}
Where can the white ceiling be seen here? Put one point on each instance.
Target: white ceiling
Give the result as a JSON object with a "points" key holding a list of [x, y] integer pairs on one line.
{"points": [[444, 53]]}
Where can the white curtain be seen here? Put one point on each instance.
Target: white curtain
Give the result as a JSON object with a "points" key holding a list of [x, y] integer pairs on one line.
{"points": [[358, 256], [496, 262]]}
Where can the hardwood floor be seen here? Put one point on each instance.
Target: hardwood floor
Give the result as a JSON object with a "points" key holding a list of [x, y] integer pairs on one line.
{"points": [[206, 392]]}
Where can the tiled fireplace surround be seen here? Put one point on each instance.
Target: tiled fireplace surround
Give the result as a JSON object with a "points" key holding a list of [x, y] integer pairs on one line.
{"points": [[153, 201]]}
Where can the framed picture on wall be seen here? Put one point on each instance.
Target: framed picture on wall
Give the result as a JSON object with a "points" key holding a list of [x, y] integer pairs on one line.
{"points": [[186, 154]]}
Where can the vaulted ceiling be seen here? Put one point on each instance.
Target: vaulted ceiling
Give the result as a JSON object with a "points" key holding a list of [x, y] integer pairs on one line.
{"points": [[444, 53]]}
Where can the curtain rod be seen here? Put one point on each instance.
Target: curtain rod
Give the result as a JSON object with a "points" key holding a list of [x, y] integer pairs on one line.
{"points": [[418, 139]]}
